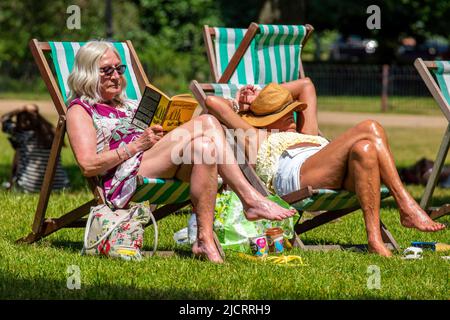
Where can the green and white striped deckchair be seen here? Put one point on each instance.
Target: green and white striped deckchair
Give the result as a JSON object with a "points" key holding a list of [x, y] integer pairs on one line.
{"points": [[258, 55], [333, 203], [159, 191], [441, 94], [63, 55]]}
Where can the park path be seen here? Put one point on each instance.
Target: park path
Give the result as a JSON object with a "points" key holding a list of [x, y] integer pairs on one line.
{"points": [[325, 117]]}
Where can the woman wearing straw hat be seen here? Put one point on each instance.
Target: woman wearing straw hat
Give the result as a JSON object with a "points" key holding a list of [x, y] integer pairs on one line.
{"points": [[288, 155]]}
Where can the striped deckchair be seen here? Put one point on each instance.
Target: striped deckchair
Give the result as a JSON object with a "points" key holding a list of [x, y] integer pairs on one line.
{"points": [[173, 193], [258, 55], [331, 204], [441, 94]]}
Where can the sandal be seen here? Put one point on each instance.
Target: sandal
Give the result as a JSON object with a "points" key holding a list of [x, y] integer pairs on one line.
{"points": [[412, 253]]}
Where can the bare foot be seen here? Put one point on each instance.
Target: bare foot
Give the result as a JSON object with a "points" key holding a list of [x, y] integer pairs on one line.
{"points": [[379, 248], [208, 251], [414, 217], [266, 209]]}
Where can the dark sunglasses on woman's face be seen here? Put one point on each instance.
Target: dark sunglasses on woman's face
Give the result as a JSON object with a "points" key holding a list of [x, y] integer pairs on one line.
{"points": [[109, 70]]}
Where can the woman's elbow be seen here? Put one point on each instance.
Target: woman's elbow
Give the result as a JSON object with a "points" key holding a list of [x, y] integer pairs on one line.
{"points": [[215, 105], [86, 167], [89, 173], [210, 101]]}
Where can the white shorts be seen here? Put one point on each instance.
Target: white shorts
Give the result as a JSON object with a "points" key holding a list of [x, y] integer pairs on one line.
{"points": [[287, 177]]}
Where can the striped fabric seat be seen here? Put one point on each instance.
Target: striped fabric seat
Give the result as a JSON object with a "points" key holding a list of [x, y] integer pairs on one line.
{"points": [[161, 191], [326, 199], [273, 54], [63, 56], [157, 191], [323, 199], [229, 90], [442, 73]]}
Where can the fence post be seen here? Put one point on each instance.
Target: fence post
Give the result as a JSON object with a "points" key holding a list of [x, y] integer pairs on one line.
{"points": [[384, 87]]}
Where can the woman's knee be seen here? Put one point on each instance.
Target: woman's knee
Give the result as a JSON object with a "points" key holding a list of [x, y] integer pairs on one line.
{"points": [[364, 151], [371, 127], [208, 121]]}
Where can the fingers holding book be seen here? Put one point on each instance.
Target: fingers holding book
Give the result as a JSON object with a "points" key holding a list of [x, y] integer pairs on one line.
{"points": [[149, 137]]}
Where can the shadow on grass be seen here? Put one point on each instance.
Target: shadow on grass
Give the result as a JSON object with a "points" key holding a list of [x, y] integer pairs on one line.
{"points": [[76, 246], [11, 287], [335, 245]]}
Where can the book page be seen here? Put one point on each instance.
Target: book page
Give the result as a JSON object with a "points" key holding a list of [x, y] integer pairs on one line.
{"points": [[181, 109]]}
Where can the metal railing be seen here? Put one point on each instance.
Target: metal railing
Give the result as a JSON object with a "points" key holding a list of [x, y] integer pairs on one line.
{"points": [[370, 88]]}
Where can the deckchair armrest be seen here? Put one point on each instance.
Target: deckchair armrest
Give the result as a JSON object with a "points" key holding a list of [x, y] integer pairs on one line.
{"points": [[298, 195]]}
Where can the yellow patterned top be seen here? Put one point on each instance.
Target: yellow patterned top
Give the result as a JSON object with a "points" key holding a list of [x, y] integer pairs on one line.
{"points": [[272, 148]]}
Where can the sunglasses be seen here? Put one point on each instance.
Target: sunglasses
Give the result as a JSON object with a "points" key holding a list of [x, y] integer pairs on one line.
{"points": [[109, 70]]}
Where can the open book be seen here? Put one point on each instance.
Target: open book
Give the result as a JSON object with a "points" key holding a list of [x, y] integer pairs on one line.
{"points": [[156, 107]]}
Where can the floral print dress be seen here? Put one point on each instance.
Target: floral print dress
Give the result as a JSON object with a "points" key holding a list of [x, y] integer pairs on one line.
{"points": [[114, 129]]}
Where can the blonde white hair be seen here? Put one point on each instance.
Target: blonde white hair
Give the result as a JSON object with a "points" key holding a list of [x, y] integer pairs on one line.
{"points": [[84, 80]]}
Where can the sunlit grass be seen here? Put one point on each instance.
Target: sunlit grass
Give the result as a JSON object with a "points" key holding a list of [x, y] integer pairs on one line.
{"points": [[40, 271]]}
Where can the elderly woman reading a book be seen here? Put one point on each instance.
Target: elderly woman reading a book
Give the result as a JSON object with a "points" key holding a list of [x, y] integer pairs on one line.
{"points": [[291, 155], [105, 144]]}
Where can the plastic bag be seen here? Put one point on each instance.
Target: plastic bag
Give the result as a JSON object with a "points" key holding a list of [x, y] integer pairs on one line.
{"points": [[233, 229]]}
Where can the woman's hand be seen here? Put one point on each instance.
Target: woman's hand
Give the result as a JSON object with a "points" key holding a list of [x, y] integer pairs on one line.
{"points": [[245, 96], [148, 138]]}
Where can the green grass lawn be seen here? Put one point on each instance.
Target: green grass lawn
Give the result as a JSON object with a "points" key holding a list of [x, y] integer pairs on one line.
{"points": [[366, 104], [40, 271], [396, 104]]}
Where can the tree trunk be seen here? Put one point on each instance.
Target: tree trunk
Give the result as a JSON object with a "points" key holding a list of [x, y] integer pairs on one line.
{"points": [[283, 12]]}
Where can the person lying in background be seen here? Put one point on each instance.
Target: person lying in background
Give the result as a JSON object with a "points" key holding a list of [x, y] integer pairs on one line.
{"points": [[31, 136]]}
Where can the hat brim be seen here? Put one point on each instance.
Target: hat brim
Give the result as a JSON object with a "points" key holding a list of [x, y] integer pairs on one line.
{"points": [[263, 121]]}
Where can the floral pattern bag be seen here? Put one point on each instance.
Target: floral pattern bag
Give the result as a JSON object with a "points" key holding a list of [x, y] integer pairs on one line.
{"points": [[117, 233]]}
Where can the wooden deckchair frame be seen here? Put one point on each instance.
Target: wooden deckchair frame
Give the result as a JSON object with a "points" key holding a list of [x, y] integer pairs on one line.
{"points": [[200, 91], [424, 67], [43, 227], [253, 29]]}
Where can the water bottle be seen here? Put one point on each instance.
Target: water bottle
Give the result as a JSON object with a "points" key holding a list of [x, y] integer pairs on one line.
{"points": [[192, 228]]}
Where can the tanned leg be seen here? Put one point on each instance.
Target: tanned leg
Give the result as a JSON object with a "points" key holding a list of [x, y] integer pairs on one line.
{"points": [[158, 162], [363, 178], [327, 169], [203, 187]]}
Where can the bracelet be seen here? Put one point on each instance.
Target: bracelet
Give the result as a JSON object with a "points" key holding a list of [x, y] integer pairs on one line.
{"points": [[118, 154], [234, 105], [127, 150]]}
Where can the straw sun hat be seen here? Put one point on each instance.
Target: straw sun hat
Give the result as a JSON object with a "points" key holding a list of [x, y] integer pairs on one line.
{"points": [[271, 104]]}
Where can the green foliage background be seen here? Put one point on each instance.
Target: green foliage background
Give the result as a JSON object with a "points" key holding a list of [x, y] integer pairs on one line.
{"points": [[167, 34]]}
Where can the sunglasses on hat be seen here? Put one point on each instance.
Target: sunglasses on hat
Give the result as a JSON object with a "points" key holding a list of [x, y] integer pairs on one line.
{"points": [[109, 70]]}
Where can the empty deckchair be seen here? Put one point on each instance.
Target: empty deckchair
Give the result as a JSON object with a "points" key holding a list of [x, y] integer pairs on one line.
{"points": [[441, 94], [259, 55], [173, 193]]}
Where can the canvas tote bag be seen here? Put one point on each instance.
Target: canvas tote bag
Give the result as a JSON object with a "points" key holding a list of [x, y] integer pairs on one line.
{"points": [[117, 233]]}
